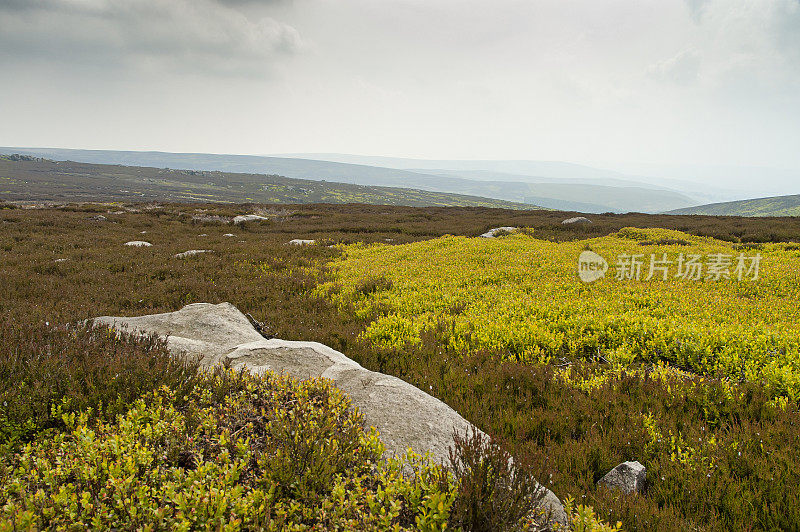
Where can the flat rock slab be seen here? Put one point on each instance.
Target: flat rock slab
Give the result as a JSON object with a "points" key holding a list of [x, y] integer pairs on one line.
{"points": [[242, 218], [577, 220], [138, 244], [405, 416], [492, 233], [191, 253]]}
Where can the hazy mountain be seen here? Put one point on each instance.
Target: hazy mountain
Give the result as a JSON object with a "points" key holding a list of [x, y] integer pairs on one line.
{"points": [[703, 186], [774, 206], [581, 196]]}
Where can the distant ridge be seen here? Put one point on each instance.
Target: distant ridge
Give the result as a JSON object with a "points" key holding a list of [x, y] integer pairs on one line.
{"points": [[772, 206], [611, 195], [24, 179]]}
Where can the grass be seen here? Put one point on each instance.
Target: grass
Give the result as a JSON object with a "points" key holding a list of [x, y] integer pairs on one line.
{"points": [[573, 419]]}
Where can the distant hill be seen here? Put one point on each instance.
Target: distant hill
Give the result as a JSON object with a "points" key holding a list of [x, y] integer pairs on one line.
{"points": [[774, 206], [612, 195], [40, 180]]}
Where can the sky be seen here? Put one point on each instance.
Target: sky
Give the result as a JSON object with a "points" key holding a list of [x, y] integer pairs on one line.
{"points": [[668, 82]]}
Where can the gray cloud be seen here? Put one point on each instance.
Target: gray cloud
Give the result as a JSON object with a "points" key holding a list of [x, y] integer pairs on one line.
{"points": [[186, 35]]}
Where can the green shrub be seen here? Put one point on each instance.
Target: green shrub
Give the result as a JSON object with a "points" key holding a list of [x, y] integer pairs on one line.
{"points": [[273, 454]]}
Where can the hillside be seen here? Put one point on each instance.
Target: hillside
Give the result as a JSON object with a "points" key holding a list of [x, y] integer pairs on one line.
{"points": [[774, 206], [44, 180], [589, 195]]}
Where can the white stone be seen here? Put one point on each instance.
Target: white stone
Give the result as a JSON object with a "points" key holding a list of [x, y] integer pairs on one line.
{"points": [[577, 220], [301, 242], [191, 253], [491, 232], [248, 218], [138, 244]]}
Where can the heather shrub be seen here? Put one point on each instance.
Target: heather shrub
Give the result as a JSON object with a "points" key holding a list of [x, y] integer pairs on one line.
{"points": [[47, 372], [494, 492]]}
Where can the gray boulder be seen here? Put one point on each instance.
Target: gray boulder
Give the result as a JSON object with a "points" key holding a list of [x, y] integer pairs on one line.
{"points": [[242, 218], [405, 416], [577, 220], [492, 233], [628, 477], [138, 244], [191, 253]]}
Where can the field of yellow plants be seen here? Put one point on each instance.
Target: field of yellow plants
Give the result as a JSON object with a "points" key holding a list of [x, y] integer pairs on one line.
{"points": [[520, 297]]}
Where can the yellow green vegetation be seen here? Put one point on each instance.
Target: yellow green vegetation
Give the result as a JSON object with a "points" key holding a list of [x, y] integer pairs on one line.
{"points": [[243, 452], [521, 297]]}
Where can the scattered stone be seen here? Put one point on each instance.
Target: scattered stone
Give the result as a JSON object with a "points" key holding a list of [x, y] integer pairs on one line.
{"points": [[242, 218], [203, 234], [143, 233], [229, 234], [577, 220], [138, 244], [404, 415], [301, 242], [628, 477], [492, 233], [191, 253], [61, 260], [99, 218], [210, 218]]}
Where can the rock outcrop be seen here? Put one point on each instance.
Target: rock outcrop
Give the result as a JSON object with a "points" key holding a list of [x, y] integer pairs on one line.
{"points": [[301, 242], [629, 477], [577, 220], [405, 416], [138, 244]]}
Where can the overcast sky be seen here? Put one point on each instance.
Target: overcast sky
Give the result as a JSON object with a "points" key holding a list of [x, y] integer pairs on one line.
{"points": [[648, 81]]}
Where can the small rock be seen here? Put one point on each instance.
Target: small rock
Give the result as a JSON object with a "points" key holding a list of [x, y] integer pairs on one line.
{"points": [[61, 260], [492, 233], [143, 233], [191, 253], [248, 218], [138, 244], [301, 242], [99, 218], [628, 477], [577, 220], [203, 234], [229, 234]]}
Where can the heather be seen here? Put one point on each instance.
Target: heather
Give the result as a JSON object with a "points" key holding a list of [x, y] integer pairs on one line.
{"points": [[720, 448]]}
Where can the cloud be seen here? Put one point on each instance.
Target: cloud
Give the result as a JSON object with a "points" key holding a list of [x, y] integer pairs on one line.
{"points": [[682, 68], [203, 36]]}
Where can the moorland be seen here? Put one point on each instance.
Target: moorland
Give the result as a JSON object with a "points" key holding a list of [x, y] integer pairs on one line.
{"points": [[697, 380]]}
